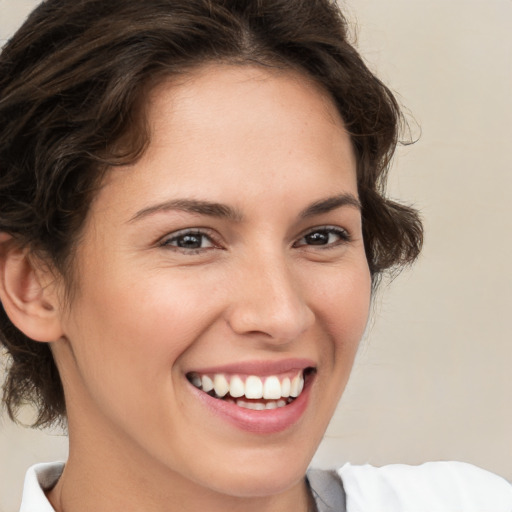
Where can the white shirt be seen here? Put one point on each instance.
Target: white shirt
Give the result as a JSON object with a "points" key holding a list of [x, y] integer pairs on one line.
{"points": [[431, 487]]}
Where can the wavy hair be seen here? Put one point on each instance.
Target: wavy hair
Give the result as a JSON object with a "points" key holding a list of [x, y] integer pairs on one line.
{"points": [[72, 85]]}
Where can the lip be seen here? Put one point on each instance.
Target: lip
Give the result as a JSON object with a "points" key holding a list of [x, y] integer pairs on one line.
{"points": [[259, 368], [268, 421]]}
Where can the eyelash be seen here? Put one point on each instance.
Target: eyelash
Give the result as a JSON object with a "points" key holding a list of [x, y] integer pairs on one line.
{"points": [[343, 234], [193, 233], [344, 237]]}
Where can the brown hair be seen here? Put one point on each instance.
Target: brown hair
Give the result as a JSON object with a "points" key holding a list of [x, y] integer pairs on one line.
{"points": [[72, 81]]}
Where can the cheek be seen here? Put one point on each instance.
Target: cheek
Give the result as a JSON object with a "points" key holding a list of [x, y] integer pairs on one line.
{"points": [[141, 326], [342, 314], [342, 302], [125, 338]]}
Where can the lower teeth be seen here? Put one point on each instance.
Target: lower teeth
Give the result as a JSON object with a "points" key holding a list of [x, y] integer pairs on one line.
{"points": [[260, 406], [253, 404]]}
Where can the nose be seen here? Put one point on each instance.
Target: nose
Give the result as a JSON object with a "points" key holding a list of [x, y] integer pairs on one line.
{"points": [[268, 301]]}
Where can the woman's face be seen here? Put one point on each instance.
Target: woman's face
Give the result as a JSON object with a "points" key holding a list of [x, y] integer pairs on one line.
{"points": [[230, 255]]}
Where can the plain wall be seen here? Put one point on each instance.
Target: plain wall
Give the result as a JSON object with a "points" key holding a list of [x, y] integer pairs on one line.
{"points": [[433, 378]]}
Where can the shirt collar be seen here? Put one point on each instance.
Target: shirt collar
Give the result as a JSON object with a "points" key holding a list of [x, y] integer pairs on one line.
{"points": [[39, 478]]}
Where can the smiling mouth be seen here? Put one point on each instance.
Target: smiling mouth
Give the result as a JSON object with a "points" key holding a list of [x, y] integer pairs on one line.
{"points": [[253, 392]]}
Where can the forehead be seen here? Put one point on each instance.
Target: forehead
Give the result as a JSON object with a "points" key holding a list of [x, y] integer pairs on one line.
{"points": [[221, 108], [206, 88], [247, 127]]}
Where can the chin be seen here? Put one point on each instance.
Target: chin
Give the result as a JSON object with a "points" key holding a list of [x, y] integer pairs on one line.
{"points": [[267, 471], [261, 480]]}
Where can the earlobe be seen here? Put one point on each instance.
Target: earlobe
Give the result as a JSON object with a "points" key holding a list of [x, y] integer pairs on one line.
{"points": [[28, 293]]}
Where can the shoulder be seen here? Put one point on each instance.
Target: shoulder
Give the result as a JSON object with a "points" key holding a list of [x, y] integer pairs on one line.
{"points": [[434, 486], [37, 479]]}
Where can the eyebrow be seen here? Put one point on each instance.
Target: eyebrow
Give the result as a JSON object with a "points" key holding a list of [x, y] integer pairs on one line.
{"points": [[219, 210], [192, 206], [329, 204]]}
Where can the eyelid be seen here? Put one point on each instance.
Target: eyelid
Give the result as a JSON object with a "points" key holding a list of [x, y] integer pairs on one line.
{"points": [[198, 231], [343, 233]]}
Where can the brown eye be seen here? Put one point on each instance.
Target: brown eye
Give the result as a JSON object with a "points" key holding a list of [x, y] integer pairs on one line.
{"points": [[318, 238], [324, 237]]}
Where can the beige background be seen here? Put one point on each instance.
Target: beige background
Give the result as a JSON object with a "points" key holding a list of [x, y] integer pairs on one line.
{"points": [[432, 380]]}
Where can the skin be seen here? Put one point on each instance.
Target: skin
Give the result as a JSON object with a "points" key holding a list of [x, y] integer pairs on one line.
{"points": [[269, 144]]}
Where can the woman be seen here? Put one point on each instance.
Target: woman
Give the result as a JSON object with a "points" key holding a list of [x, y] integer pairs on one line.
{"points": [[193, 220]]}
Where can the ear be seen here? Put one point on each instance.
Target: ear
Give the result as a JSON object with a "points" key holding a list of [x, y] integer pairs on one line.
{"points": [[28, 292]]}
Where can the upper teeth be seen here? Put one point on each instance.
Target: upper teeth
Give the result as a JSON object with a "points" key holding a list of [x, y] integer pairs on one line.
{"points": [[271, 387]]}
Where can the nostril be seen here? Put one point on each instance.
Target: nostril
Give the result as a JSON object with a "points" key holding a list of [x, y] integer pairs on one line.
{"points": [[279, 323]]}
